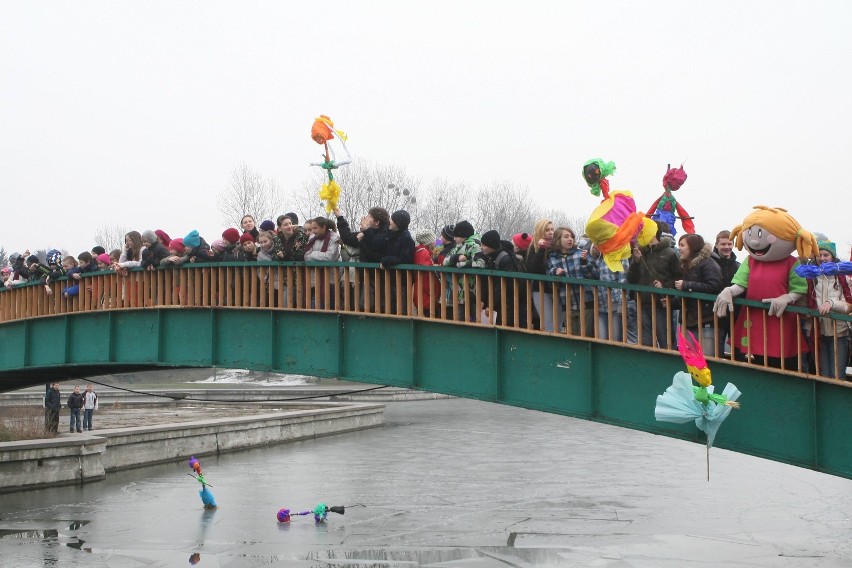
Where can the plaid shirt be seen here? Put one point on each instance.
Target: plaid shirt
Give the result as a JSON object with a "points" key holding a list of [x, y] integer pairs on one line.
{"points": [[574, 267], [607, 275]]}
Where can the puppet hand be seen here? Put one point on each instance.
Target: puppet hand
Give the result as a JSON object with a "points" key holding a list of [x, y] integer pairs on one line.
{"points": [[725, 300], [779, 304]]}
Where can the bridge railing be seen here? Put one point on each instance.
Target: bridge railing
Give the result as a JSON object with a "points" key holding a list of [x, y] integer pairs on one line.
{"points": [[585, 309]]}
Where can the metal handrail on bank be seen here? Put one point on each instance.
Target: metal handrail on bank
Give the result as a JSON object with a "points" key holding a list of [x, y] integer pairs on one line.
{"points": [[440, 294]]}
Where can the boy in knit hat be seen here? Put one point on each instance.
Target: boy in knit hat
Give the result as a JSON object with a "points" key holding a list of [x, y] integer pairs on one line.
{"points": [[39, 273], [500, 255], [400, 245], [464, 255], [399, 249], [447, 244]]}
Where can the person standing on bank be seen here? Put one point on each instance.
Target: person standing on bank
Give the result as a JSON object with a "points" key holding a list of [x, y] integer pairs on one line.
{"points": [[90, 404], [75, 403], [52, 404]]}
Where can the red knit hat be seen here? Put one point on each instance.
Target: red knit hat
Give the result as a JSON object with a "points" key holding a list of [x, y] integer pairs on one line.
{"points": [[177, 245], [522, 240], [231, 235], [246, 238], [164, 237]]}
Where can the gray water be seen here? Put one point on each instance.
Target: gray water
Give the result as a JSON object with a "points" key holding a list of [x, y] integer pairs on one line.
{"points": [[450, 483]]}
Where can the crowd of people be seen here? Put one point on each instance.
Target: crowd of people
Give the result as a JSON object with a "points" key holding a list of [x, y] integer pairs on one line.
{"points": [[689, 264]]}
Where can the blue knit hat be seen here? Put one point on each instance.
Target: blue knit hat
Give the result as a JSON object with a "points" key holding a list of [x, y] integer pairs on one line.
{"points": [[192, 240]]}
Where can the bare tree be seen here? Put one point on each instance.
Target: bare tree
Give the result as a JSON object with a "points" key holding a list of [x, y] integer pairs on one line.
{"points": [[111, 236], [247, 193], [562, 218], [4, 258], [443, 203], [505, 208], [362, 185]]}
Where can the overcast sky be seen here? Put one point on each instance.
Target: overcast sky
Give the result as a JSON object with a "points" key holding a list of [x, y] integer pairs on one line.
{"points": [[137, 113]]}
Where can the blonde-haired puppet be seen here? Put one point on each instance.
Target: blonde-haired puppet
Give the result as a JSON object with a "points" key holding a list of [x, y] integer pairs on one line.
{"points": [[770, 235]]}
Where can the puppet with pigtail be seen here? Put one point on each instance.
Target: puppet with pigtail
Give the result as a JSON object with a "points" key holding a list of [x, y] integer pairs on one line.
{"points": [[614, 224], [322, 132], [770, 235], [666, 208]]}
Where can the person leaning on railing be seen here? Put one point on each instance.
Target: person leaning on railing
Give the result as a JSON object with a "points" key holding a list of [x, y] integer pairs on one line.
{"points": [[570, 261], [700, 273], [424, 290], [464, 255], [542, 292], [724, 256], [153, 250], [829, 294], [499, 255], [323, 246], [610, 304], [371, 240], [656, 265]]}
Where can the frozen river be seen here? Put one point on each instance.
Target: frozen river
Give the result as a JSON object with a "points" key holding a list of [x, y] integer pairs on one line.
{"points": [[450, 483]]}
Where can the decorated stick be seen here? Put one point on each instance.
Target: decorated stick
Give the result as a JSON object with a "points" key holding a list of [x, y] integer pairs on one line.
{"points": [[319, 512], [322, 132]]}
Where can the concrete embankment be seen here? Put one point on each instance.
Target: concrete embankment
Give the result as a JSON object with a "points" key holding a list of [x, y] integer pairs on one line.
{"points": [[75, 458]]}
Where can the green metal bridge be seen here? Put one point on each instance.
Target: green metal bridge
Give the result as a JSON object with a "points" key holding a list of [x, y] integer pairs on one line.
{"points": [[265, 317]]}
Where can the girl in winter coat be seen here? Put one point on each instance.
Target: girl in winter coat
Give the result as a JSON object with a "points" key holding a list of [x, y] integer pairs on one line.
{"points": [[323, 246], [570, 261], [700, 273], [610, 300], [536, 261], [831, 338], [131, 254]]}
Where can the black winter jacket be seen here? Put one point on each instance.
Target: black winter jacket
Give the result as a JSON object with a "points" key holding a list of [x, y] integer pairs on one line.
{"points": [[75, 400], [372, 247], [728, 266], [703, 275], [399, 249], [152, 255], [52, 400]]}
